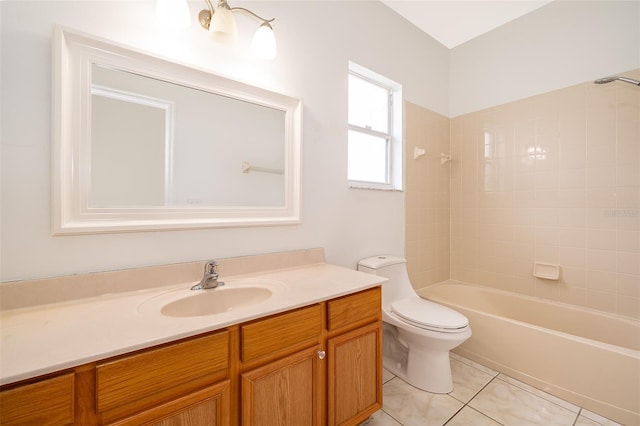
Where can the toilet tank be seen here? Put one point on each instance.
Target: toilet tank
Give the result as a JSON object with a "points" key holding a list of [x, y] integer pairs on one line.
{"points": [[395, 269]]}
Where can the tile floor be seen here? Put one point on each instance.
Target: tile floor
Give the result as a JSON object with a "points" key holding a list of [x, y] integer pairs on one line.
{"points": [[481, 397]]}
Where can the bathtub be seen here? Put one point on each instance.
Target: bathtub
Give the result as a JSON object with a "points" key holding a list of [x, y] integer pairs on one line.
{"points": [[582, 356]]}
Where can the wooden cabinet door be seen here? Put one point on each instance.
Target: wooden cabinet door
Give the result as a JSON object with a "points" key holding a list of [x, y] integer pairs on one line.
{"points": [[354, 375], [286, 392], [207, 407]]}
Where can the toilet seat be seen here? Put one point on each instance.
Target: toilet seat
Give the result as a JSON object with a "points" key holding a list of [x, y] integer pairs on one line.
{"points": [[428, 315]]}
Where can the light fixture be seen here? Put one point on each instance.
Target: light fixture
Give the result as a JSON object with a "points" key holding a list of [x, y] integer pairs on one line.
{"points": [[222, 26]]}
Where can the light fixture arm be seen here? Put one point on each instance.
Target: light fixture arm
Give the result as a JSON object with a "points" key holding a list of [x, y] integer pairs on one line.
{"points": [[206, 15], [242, 9]]}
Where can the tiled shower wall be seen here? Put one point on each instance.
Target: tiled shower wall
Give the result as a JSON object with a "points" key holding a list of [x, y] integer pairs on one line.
{"points": [[554, 178], [427, 196]]}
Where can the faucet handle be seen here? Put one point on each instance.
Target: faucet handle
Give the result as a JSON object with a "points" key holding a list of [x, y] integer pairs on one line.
{"points": [[210, 267]]}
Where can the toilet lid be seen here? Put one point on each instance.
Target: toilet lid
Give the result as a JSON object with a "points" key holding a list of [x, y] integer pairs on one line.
{"points": [[426, 314]]}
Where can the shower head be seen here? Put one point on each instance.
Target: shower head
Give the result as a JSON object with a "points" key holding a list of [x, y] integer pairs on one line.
{"points": [[615, 77]]}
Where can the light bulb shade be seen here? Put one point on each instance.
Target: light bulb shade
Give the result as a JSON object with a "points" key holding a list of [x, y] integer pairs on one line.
{"points": [[173, 14], [264, 42], [223, 26]]}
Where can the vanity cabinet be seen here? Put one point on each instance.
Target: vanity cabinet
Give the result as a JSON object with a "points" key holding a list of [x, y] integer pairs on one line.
{"points": [[281, 379], [316, 365], [324, 364], [354, 357]]}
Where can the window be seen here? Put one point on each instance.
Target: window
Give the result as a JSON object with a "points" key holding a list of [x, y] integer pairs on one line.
{"points": [[375, 130]]}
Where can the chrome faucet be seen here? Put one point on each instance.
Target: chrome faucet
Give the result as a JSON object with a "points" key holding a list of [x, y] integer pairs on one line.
{"points": [[210, 277]]}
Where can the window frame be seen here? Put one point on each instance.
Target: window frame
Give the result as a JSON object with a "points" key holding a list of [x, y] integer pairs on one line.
{"points": [[394, 137]]}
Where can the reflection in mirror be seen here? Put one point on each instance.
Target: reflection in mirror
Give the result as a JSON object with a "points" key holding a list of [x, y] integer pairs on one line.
{"points": [[142, 143], [129, 140], [155, 143]]}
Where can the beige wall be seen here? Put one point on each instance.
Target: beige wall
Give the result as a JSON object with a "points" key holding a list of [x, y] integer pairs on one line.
{"points": [[427, 196], [552, 178]]}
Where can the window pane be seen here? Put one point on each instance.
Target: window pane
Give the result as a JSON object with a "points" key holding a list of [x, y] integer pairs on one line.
{"points": [[368, 104], [367, 158]]}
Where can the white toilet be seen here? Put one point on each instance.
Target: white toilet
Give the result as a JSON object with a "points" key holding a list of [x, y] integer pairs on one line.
{"points": [[418, 334]]}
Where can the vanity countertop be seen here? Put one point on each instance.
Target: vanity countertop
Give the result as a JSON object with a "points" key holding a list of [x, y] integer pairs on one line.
{"points": [[45, 338]]}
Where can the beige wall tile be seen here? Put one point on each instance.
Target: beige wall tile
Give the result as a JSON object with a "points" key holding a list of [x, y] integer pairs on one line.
{"points": [[628, 306], [557, 179], [574, 295], [428, 195], [601, 301], [628, 263], [629, 285], [628, 241]]}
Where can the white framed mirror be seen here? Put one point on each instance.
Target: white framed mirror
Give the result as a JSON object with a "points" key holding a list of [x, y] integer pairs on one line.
{"points": [[143, 143]]}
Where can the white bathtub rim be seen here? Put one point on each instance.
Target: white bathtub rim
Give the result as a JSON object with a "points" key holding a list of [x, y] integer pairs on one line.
{"points": [[607, 346], [569, 306]]}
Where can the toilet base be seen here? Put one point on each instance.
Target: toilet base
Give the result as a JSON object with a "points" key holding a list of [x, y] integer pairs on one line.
{"points": [[430, 371], [422, 361], [436, 379]]}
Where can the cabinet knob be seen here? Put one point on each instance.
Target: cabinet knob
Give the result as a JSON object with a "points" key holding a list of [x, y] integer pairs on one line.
{"points": [[322, 354]]}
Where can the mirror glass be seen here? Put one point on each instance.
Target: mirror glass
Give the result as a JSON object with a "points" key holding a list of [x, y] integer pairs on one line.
{"points": [[155, 143], [142, 143]]}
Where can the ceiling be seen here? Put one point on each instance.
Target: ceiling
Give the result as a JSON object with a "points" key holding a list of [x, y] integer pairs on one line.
{"points": [[453, 22]]}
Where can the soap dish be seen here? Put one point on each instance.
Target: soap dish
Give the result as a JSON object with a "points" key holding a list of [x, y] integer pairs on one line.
{"points": [[547, 271]]}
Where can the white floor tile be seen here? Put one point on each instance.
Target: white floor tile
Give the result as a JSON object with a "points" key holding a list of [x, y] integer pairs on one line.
{"points": [[596, 419], [492, 399], [380, 418], [561, 402], [468, 416], [473, 364], [467, 380], [583, 421], [387, 375], [414, 407], [510, 405]]}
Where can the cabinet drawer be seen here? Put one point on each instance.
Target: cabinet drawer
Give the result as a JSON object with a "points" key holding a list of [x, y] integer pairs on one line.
{"points": [[281, 333], [354, 310], [49, 401], [138, 382]]}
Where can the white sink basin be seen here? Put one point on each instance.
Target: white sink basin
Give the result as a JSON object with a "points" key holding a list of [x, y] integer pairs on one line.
{"points": [[236, 294], [215, 301]]}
